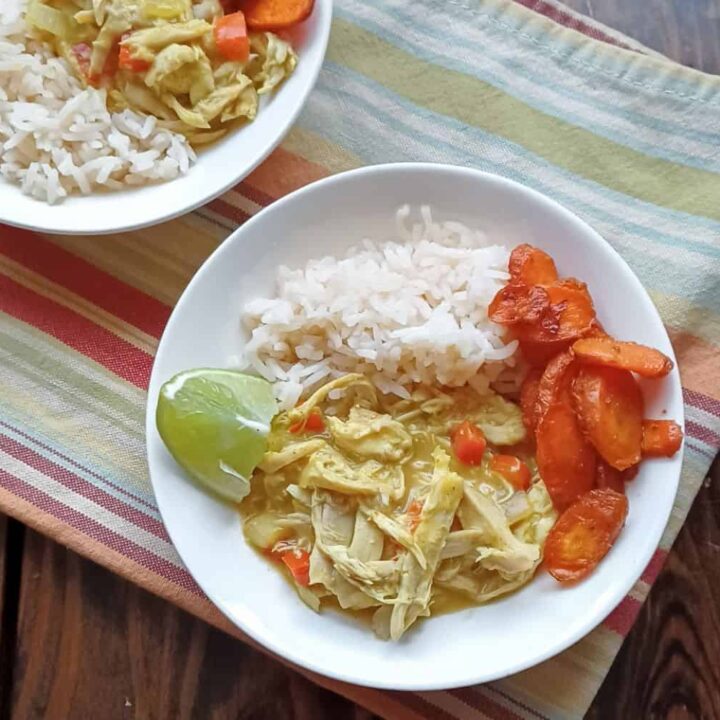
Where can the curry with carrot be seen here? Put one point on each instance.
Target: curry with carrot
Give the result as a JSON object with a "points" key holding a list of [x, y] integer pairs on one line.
{"points": [[452, 498], [399, 507], [199, 66]]}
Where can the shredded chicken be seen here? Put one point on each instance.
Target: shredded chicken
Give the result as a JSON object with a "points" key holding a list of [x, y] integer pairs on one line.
{"points": [[161, 57], [389, 518]]}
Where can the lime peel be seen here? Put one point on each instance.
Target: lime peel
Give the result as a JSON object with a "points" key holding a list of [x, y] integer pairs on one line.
{"points": [[215, 424]]}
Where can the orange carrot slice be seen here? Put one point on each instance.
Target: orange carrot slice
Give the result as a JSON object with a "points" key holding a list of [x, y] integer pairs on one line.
{"points": [[528, 397], [606, 476], [274, 15], [231, 38], [609, 405], [640, 359], [584, 534], [529, 265], [566, 460], [661, 438]]}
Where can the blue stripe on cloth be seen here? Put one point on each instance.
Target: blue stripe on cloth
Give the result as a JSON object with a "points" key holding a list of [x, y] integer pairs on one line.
{"points": [[109, 482], [481, 70], [336, 84]]}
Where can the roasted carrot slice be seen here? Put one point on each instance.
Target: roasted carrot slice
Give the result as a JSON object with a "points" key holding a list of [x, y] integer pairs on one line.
{"points": [[573, 301], [570, 315], [584, 533], [528, 396], [275, 15], [630, 473], [538, 354], [661, 438], [555, 383], [518, 303], [640, 359], [596, 330], [606, 476], [609, 405], [529, 265], [566, 460]]}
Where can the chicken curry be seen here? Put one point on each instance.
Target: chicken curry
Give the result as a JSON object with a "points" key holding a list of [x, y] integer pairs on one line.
{"points": [[396, 507], [384, 505], [185, 62]]}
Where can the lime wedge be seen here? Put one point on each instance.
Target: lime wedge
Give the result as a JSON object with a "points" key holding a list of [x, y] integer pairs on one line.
{"points": [[215, 424]]}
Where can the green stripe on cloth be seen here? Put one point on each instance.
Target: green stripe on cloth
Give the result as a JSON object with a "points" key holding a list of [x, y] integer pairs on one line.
{"points": [[654, 73], [577, 150], [52, 372], [65, 395], [658, 130]]}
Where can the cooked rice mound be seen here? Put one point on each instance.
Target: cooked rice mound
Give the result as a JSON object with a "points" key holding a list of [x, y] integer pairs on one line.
{"points": [[57, 138], [411, 310]]}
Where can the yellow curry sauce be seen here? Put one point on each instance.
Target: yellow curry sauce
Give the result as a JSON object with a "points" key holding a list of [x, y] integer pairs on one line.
{"points": [[392, 522]]}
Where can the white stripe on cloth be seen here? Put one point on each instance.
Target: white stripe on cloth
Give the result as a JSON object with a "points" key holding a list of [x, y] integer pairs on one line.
{"points": [[597, 106], [387, 127], [89, 509]]}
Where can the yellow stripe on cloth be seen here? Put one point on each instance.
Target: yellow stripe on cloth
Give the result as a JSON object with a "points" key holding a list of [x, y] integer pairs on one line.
{"points": [[568, 146]]}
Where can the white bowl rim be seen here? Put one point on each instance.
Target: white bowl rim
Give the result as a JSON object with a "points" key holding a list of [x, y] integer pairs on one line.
{"points": [[554, 648]]}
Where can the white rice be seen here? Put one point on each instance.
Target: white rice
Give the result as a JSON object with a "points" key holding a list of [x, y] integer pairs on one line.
{"points": [[410, 310], [57, 138]]}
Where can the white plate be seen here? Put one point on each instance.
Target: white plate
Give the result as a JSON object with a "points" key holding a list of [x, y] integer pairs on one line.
{"points": [[217, 169], [474, 645]]}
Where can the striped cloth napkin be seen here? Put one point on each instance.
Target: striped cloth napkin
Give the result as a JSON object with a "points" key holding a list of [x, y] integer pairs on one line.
{"points": [[623, 137]]}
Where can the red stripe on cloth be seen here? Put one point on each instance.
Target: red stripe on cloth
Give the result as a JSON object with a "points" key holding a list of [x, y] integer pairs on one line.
{"points": [[572, 22], [621, 619], [514, 701], [82, 487], [418, 704], [654, 567], [228, 211], [75, 463], [702, 402], [100, 533], [477, 700], [102, 289], [254, 194], [700, 432], [77, 332]]}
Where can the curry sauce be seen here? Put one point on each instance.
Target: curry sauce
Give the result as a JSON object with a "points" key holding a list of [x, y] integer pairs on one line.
{"points": [[363, 500]]}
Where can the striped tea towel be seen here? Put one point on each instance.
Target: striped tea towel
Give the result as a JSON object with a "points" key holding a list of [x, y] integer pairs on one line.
{"points": [[624, 138]]}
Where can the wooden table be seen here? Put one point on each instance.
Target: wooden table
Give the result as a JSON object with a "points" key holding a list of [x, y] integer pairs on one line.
{"points": [[78, 642]]}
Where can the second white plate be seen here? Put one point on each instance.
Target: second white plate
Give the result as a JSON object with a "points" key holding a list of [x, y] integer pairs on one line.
{"points": [[217, 169]]}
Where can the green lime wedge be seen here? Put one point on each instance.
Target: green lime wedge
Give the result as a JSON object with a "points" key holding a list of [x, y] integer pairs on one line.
{"points": [[215, 424]]}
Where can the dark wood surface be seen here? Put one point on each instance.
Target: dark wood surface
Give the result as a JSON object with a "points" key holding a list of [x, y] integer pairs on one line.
{"points": [[78, 642], [685, 30], [90, 646], [669, 666]]}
